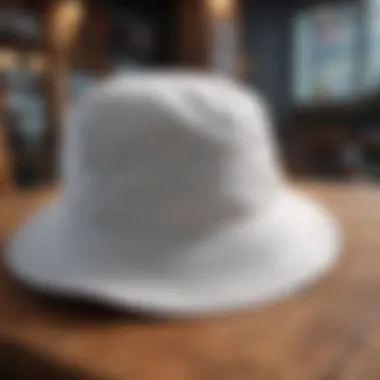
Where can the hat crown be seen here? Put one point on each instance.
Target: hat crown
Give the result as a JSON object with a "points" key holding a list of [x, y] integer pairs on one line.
{"points": [[179, 148]]}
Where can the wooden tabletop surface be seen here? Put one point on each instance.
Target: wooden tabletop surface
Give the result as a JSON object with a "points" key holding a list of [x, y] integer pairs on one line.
{"points": [[330, 331]]}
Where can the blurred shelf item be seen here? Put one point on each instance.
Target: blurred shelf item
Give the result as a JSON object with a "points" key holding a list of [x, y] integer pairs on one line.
{"points": [[41, 37], [25, 45], [55, 36], [18, 158], [340, 140]]}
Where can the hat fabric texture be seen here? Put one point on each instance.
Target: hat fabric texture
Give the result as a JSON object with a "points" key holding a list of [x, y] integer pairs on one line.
{"points": [[172, 202]]}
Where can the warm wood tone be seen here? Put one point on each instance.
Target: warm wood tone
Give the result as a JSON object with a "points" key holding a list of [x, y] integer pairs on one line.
{"points": [[62, 19], [328, 332], [197, 20], [194, 33], [6, 180], [92, 50]]}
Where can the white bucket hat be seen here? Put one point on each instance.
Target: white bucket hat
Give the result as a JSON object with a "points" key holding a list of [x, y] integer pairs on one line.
{"points": [[172, 202]]}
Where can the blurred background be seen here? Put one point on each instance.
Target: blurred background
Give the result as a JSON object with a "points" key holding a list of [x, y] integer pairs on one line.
{"points": [[316, 63]]}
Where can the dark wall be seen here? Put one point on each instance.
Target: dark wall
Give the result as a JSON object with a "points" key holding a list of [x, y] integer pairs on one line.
{"points": [[267, 34], [160, 14]]}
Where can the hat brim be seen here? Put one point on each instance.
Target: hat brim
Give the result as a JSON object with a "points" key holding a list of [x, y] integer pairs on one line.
{"points": [[292, 243]]}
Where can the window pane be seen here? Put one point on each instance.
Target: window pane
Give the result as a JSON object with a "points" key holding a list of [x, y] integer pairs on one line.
{"points": [[325, 54], [372, 25]]}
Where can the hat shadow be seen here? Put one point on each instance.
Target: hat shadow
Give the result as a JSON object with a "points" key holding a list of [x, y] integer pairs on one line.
{"points": [[74, 309]]}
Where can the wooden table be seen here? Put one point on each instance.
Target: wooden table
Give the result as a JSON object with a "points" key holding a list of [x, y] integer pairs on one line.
{"points": [[328, 332]]}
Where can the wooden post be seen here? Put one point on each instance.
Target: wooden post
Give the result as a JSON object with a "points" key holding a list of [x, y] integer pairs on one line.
{"points": [[210, 35], [100, 53], [194, 33], [6, 179], [61, 22]]}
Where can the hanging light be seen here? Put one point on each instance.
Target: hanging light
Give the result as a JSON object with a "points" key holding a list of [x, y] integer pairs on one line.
{"points": [[66, 19], [222, 8]]}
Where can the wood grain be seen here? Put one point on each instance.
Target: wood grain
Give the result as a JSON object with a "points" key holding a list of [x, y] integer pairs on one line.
{"points": [[331, 331]]}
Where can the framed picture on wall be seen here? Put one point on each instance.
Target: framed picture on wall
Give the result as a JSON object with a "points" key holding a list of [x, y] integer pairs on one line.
{"points": [[324, 60]]}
